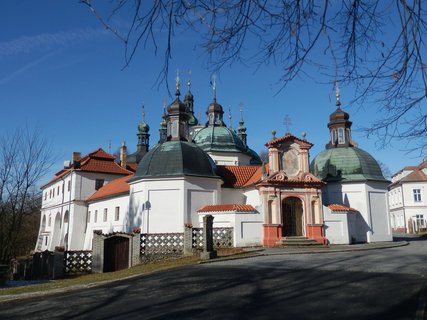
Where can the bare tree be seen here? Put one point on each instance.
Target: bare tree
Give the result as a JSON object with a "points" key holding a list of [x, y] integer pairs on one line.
{"points": [[25, 158], [377, 47], [385, 170]]}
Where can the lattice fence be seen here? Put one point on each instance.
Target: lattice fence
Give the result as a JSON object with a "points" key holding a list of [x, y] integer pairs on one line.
{"points": [[77, 262], [222, 237], [197, 238], [162, 243]]}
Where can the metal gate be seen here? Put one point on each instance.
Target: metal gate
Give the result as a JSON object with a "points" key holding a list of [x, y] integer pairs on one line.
{"points": [[116, 253]]}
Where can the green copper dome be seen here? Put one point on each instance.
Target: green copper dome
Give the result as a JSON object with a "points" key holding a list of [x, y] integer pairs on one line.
{"points": [[223, 139], [347, 164], [175, 158]]}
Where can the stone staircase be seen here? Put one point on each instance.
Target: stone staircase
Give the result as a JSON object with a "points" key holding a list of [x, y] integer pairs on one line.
{"points": [[298, 242]]}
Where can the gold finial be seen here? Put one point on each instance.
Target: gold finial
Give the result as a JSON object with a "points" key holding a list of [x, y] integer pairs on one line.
{"points": [[214, 86], [241, 111], [229, 117], [143, 113], [337, 94], [177, 85], [189, 80]]}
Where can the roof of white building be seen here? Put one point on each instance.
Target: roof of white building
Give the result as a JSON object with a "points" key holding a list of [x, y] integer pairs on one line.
{"points": [[112, 189], [228, 208], [96, 161]]}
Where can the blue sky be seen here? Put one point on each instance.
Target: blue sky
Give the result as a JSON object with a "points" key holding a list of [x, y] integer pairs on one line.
{"points": [[61, 71]]}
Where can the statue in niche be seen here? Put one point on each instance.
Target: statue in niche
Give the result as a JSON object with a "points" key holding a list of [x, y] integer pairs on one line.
{"points": [[290, 162]]}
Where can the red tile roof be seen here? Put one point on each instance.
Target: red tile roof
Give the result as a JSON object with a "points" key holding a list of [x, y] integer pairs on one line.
{"points": [[227, 207], [236, 176], [112, 188], [96, 161], [414, 176], [132, 167], [340, 207], [289, 137]]}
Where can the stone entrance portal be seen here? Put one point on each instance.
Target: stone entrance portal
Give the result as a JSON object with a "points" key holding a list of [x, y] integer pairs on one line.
{"points": [[292, 217]]}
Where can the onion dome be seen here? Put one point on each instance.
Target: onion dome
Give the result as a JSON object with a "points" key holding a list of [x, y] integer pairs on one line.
{"points": [[175, 158], [346, 165], [223, 139], [342, 161]]}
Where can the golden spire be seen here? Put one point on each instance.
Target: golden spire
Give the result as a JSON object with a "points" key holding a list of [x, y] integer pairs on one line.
{"points": [[177, 85], [189, 80], [214, 86], [337, 94]]}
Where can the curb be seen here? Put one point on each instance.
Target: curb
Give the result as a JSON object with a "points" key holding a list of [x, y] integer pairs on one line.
{"points": [[286, 251]]}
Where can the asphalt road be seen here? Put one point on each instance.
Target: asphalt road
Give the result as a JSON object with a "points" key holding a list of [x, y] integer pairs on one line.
{"points": [[377, 284]]}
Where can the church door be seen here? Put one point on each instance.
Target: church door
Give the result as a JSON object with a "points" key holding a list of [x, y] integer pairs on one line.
{"points": [[292, 217]]}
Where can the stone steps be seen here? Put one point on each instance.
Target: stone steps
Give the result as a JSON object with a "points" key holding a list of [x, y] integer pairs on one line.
{"points": [[298, 242]]}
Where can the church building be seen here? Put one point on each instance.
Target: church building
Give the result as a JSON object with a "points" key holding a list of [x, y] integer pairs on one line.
{"points": [[195, 170]]}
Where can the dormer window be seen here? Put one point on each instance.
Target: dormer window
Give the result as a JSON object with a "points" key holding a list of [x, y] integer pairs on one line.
{"points": [[99, 183], [341, 138]]}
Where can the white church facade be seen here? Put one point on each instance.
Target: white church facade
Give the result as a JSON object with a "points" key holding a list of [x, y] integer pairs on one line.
{"points": [[195, 170]]}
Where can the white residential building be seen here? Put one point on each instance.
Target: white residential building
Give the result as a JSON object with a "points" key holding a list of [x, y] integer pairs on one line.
{"points": [[407, 199]]}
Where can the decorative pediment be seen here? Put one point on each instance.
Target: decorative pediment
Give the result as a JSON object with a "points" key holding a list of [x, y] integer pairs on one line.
{"points": [[278, 177], [305, 179], [286, 139]]}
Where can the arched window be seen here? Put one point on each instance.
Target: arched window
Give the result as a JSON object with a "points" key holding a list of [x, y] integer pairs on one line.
{"points": [[66, 217], [43, 223], [49, 221], [334, 136], [341, 138]]}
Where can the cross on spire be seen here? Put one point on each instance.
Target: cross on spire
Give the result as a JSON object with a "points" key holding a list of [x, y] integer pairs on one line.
{"points": [[143, 113], [241, 111], [214, 86], [337, 94], [288, 123], [229, 117], [189, 80]]}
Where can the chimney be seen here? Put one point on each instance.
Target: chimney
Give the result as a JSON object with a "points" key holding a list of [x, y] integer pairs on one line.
{"points": [[76, 159], [123, 155]]}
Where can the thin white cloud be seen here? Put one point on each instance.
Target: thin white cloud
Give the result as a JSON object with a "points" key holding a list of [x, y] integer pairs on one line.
{"points": [[25, 68], [48, 41]]}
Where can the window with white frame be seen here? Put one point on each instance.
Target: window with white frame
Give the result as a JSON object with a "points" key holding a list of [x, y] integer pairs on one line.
{"points": [[96, 216], [117, 214], [105, 214], [88, 216], [341, 138], [420, 220], [417, 195]]}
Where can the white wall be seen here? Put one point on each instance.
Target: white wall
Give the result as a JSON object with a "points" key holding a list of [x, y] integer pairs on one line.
{"points": [[370, 200], [230, 195], [247, 227], [111, 225], [165, 205], [230, 158]]}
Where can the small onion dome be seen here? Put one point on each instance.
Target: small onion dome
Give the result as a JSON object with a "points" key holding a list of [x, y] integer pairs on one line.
{"points": [[175, 158], [215, 107], [347, 164], [189, 96], [338, 115], [177, 107], [143, 127]]}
